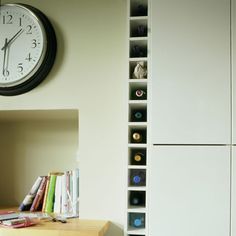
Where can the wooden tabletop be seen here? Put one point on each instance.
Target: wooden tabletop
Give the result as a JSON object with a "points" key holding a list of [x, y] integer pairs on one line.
{"points": [[73, 227]]}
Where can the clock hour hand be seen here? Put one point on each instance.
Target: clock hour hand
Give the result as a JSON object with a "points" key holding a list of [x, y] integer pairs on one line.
{"points": [[10, 40]]}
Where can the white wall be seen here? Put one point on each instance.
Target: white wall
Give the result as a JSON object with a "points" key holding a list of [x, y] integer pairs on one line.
{"points": [[89, 75]]}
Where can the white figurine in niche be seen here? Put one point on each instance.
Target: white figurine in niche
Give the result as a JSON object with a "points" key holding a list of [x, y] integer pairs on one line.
{"points": [[140, 70]]}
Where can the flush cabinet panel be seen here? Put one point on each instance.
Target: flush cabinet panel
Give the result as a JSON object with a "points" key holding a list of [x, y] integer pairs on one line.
{"points": [[190, 71], [233, 191], [234, 68], [189, 191]]}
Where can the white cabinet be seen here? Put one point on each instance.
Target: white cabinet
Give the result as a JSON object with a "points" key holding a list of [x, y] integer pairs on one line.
{"points": [[189, 191], [190, 57], [233, 191], [234, 68]]}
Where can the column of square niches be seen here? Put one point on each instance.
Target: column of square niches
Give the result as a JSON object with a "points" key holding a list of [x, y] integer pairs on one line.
{"points": [[137, 130]]}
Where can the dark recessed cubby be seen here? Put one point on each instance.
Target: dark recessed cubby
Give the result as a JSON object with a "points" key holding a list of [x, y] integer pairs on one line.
{"points": [[137, 177], [138, 135], [137, 220], [137, 199], [138, 113], [137, 156], [138, 49], [138, 28], [138, 91], [138, 8], [138, 70]]}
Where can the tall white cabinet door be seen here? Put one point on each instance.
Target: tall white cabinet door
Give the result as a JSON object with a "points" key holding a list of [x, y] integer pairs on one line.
{"points": [[190, 70], [189, 191], [234, 67], [233, 191]]}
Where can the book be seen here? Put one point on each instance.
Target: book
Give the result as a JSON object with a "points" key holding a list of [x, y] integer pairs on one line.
{"points": [[20, 222], [64, 199], [50, 198], [70, 194], [75, 196], [28, 200], [38, 200], [9, 215], [69, 190], [58, 195], [51, 194], [45, 193]]}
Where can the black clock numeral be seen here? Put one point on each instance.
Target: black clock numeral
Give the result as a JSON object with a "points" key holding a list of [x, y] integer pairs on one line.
{"points": [[7, 19], [20, 21], [28, 58], [6, 72], [20, 67], [29, 29], [34, 43]]}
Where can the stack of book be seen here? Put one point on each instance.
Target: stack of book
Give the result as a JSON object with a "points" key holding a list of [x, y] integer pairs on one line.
{"points": [[56, 193]]}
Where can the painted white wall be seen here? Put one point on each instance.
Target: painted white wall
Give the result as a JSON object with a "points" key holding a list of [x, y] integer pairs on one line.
{"points": [[89, 75]]}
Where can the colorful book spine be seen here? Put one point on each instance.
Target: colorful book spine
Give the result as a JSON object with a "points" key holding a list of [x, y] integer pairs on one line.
{"points": [[28, 200], [39, 196], [64, 199], [75, 196], [69, 190], [51, 194], [45, 194], [58, 195]]}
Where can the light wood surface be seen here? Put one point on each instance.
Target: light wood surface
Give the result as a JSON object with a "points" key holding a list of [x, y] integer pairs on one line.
{"points": [[73, 227]]}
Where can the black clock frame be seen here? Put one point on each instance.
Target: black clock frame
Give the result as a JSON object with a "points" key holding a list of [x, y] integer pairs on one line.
{"points": [[47, 63]]}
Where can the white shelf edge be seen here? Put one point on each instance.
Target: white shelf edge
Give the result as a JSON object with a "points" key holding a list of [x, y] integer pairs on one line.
{"points": [[142, 188], [138, 38], [136, 231], [137, 101], [134, 18], [144, 123], [142, 167], [138, 59], [135, 145], [137, 210], [138, 80]]}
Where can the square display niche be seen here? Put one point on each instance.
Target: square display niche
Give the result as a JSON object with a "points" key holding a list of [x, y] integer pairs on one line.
{"points": [[33, 143]]}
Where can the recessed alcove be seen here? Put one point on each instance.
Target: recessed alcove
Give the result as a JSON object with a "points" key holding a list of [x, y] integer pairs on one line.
{"points": [[33, 143]]}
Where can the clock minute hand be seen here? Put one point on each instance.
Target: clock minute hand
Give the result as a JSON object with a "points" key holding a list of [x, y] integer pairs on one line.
{"points": [[13, 37], [4, 56]]}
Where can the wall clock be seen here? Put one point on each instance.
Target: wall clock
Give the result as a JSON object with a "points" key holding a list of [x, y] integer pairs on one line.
{"points": [[27, 48]]}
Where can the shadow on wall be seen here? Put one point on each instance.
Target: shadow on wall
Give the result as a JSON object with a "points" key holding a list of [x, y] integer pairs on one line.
{"points": [[115, 230]]}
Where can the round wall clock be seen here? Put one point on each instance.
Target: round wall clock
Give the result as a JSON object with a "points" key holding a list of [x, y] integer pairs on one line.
{"points": [[27, 48]]}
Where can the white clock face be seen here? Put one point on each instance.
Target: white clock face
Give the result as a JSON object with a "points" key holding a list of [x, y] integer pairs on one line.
{"points": [[22, 44]]}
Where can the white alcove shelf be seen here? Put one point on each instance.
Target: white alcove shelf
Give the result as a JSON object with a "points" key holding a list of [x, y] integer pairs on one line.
{"points": [[33, 143]]}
